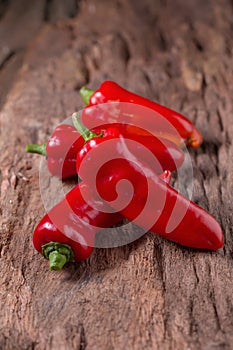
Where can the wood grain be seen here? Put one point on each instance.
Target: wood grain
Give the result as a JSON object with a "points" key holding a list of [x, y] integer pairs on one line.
{"points": [[151, 294]]}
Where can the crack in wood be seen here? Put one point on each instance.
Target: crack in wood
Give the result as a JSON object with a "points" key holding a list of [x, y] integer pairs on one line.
{"points": [[220, 120], [83, 341], [162, 41], [158, 256], [56, 10], [47, 10], [6, 59], [3, 7]]}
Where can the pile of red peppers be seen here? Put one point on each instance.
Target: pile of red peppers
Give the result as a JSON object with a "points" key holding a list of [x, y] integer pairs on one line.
{"points": [[67, 232]]}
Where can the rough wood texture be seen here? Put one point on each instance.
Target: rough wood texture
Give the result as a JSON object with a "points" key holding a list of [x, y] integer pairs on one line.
{"points": [[151, 294]]}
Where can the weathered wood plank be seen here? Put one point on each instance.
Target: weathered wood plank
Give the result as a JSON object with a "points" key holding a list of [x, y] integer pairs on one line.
{"points": [[14, 34], [8, 73], [151, 294], [21, 21]]}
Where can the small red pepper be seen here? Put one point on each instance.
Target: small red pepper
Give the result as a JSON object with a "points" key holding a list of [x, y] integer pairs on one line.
{"points": [[60, 150], [65, 142], [109, 91], [195, 227], [67, 232]]}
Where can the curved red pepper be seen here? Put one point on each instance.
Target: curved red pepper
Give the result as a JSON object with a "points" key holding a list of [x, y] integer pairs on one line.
{"points": [[65, 142], [67, 231], [110, 91], [197, 229]]}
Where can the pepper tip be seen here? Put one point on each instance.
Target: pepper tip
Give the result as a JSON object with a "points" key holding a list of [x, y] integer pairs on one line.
{"points": [[195, 139]]}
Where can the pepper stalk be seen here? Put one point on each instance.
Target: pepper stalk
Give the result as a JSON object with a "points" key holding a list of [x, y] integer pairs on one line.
{"points": [[37, 148], [58, 254], [86, 133], [86, 94]]}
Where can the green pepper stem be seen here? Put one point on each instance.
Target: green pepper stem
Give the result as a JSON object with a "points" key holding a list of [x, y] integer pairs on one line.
{"points": [[58, 254], [36, 148], [86, 133], [56, 261], [86, 94]]}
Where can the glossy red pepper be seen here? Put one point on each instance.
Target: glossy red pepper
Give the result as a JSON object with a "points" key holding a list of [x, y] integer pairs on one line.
{"points": [[165, 154], [67, 232], [165, 211], [65, 142], [60, 150], [110, 91]]}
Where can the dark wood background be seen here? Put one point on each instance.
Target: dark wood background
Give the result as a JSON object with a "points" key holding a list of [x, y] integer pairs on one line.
{"points": [[151, 294]]}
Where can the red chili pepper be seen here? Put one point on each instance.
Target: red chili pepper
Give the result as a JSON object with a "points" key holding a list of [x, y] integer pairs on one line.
{"points": [[110, 91], [60, 150], [67, 232], [164, 205], [65, 142]]}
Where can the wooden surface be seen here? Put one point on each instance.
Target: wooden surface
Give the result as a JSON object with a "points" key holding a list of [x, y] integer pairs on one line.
{"points": [[151, 294]]}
